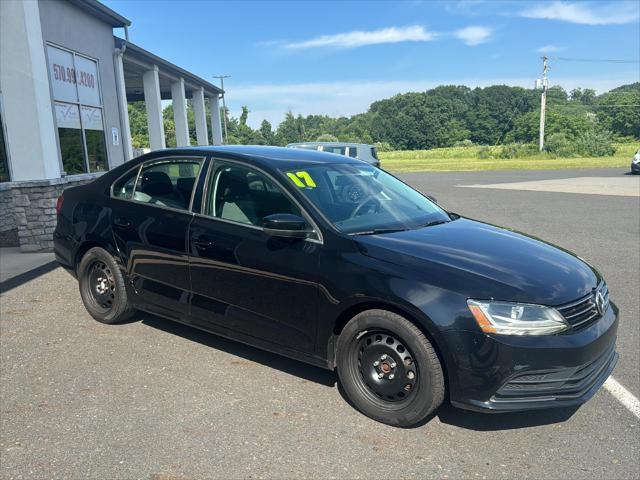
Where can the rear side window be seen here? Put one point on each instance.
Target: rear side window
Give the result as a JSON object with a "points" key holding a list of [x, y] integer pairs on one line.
{"points": [[353, 152], [168, 183], [123, 187]]}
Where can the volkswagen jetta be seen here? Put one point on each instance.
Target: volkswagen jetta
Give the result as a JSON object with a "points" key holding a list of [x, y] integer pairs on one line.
{"points": [[334, 262]]}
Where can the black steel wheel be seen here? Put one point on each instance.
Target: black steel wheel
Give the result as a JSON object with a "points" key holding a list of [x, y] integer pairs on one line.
{"points": [[388, 368], [102, 284], [102, 287]]}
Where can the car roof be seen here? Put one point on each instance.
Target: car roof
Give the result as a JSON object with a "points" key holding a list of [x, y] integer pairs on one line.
{"points": [[275, 157], [331, 144]]}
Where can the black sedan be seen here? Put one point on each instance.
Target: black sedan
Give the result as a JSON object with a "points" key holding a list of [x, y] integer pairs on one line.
{"points": [[331, 261]]}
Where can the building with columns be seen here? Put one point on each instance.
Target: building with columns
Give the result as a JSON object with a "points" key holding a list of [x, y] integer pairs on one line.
{"points": [[65, 82]]}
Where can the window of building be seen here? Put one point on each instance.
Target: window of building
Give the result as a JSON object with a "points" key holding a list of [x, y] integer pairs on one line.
{"points": [[78, 107], [4, 160]]}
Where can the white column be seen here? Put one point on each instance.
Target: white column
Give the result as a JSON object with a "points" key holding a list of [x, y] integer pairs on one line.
{"points": [[151, 84], [26, 98], [216, 128], [200, 115], [180, 113], [125, 135]]}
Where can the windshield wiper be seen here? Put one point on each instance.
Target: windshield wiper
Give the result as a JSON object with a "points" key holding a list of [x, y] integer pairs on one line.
{"points": [[377, 231], [434, 222]]}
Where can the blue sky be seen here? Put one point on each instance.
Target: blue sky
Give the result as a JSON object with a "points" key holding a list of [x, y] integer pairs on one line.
{"points": [[336, 58]]}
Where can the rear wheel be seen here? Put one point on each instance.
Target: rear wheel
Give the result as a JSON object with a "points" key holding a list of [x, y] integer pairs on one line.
{"points": [[389, 369], [102, 287]]}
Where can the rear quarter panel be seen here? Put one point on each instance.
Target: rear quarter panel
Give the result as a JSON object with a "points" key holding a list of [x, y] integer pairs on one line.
{"points": [[84, 221]]}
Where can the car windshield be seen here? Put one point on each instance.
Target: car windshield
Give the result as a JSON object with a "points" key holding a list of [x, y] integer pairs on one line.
{"points": [[361, 199]]}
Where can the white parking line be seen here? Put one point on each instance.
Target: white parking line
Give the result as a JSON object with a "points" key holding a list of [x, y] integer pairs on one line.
{"points": [[624, 396]]}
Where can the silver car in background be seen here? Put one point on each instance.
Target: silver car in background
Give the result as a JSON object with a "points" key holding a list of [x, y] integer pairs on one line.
{"points": [[361, 151]]}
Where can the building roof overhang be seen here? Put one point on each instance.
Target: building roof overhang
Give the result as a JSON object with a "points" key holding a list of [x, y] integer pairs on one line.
{"points": [[136, 60], [102, 12]]}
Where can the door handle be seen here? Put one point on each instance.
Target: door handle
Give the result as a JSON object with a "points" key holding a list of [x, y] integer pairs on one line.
{"points": [[203, 243], [122, 222]]}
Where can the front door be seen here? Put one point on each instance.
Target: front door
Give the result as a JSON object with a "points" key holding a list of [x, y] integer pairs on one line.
{"points": [[150, 221], [244, 280]]}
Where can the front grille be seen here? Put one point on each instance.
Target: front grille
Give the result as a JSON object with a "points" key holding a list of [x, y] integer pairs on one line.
{"points": [[559, 384], [582, 313]]}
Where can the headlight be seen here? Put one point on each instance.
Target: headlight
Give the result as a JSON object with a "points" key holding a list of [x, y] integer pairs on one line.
{"points": [[506, 318]]}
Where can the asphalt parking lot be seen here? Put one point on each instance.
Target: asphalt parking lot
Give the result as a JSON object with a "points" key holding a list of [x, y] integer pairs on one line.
{"points": [[152, 399]]}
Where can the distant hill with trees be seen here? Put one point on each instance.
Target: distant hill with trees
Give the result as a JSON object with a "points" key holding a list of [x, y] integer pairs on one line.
{"points": [[445, 116]]}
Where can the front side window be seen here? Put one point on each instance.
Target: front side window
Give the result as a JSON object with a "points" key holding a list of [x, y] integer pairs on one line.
{"points": [[242, 195], [166, 184], [359, 198], [353, 152], [78, 108]]}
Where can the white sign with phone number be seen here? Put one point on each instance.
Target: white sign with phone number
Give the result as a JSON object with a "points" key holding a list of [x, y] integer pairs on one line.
{"points": [[73, 83]]}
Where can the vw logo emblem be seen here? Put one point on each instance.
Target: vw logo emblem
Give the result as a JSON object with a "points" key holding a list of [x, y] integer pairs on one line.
{"points": [[599, 301]]}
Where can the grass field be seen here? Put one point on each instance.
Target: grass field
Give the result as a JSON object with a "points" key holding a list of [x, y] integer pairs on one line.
{"points": [[465, 159]]}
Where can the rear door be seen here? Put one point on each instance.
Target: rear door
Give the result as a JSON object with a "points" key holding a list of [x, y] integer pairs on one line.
{"points": [[150, 221], [244, 280]]}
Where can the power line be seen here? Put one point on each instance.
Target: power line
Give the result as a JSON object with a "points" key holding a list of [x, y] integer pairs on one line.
{"points": [[592, 106], [594, 60]]}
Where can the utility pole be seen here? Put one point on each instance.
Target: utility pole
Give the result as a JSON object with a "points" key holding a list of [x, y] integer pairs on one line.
{"points": [[224, 106], [543, 101]]}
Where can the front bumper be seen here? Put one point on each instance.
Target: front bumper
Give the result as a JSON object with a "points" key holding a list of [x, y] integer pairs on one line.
{"points": [[504, 374]]}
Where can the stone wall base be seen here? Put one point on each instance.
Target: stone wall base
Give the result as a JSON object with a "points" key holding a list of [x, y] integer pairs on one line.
{"points": [[28, 211]]}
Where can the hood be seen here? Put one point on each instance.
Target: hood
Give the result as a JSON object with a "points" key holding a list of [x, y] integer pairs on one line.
{"points": [[484, 261]]}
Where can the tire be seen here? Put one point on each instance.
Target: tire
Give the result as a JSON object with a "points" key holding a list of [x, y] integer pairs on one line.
{"points": [[102, 287], [411, 385]]}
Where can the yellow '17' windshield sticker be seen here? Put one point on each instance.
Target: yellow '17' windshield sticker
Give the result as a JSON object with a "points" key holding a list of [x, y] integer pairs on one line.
{"points": [[302, 179]]}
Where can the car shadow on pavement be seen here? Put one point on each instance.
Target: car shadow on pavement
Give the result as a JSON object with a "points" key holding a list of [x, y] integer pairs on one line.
{"points": [[446, 413], [485, 422], [268, 359]]}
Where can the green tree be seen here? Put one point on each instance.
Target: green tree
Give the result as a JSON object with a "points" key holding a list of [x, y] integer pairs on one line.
{"points": [[267, 133]]}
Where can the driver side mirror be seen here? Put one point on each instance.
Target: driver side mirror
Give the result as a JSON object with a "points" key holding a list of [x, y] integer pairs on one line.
{"points": [[286, 225]]}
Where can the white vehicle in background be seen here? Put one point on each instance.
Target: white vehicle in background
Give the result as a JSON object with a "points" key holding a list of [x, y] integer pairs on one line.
{"points": [[361, 151], [635, 163]]}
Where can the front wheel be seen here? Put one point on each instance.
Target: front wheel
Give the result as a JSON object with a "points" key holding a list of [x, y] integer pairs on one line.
{"points": [[389, 369], [102, 287]]}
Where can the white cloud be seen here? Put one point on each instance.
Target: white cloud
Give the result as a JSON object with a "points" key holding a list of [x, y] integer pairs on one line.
{"points": [[587, 14], [473, 36], [358, 38], [550, 49], [271, 101]]}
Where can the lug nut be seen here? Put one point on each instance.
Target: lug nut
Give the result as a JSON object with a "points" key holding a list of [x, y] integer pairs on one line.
{"points": [[376, 363], [411, 375], [380, 375], [407, 387], [391, 376], [383, 357], [393, 364]]}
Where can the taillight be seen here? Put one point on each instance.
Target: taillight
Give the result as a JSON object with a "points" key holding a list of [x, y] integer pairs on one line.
{"points": [[59, 204]]}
